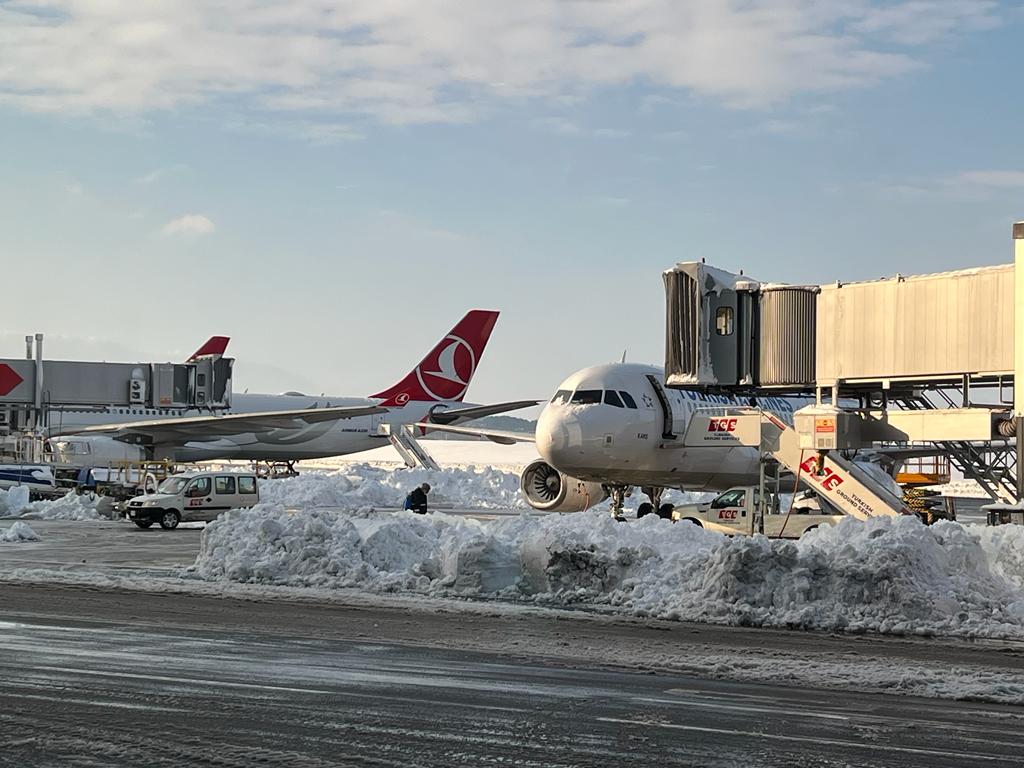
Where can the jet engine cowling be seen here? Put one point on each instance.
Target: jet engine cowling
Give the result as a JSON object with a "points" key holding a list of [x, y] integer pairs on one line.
{"points": [[547, 489]]}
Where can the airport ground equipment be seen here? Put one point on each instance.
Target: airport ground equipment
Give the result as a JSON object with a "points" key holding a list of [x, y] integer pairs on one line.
{"points": [[845, 485], [194, 497], [409, 448], [891, 363], [740, 511]]}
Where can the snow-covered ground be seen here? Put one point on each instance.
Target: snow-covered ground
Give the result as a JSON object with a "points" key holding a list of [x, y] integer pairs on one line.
{"points": [[890, 576], [15, 503], [447, 453], [331, 530], [19, 532]]}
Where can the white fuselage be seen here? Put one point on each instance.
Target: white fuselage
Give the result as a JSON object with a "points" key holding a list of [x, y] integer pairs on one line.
{"points": [[603, 442], [330, 438]]}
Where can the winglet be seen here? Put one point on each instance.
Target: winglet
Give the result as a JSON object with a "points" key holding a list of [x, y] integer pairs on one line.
{"points": [[215, 346], [444, 374]]}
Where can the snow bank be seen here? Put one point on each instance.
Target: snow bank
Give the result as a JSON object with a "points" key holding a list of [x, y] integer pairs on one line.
{"points": [[19, 531], [367, 485], [884, 575], [13, 500], [68, 507]]}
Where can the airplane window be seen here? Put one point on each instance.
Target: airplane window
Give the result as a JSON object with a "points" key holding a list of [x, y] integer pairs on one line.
{"points": [[611, 397], [561, 397], [586, 397], [628, 400]]}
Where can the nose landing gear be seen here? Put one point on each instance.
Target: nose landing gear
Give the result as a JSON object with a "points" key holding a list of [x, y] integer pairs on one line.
{"points": [[618, 494]]}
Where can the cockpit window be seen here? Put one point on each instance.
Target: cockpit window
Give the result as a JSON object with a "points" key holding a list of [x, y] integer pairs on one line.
{"points": [[561, 397], [628, 400], [611, 397], [586, 397]]}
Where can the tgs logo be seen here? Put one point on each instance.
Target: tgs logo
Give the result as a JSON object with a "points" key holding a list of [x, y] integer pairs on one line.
{"points": [[727, 514], [822, 475], [721, 425]]}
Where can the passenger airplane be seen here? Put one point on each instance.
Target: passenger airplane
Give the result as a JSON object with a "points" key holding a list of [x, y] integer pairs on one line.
{"points": [[292, 426], [603, 431]]}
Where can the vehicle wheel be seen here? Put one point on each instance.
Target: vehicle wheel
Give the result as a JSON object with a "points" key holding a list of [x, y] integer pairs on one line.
{"points": [[170, 520], [693, 522], [644, 510], [143, 523], [807, 530], [665, 511]]}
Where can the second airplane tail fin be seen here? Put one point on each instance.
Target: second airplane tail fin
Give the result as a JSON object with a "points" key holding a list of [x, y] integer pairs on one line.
{"points": [[215, 345], [444, 374]]}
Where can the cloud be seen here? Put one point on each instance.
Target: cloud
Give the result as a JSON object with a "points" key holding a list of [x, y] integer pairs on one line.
{"points": [[407, 61], [189, 225], [993, 179]]}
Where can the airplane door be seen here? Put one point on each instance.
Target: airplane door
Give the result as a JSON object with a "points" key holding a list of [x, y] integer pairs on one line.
{"points": [[376, 419]]}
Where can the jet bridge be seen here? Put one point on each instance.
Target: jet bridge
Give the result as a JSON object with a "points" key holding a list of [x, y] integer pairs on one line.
{"points": [[32, 389], [935, 359]]}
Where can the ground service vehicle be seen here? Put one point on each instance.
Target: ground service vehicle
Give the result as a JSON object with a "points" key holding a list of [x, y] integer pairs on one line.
{"points": [[193, 497], [733, 512]]}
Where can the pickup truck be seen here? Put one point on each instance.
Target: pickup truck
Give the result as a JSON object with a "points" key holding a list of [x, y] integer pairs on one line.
{"points": [[732, 512], [193, 497]]}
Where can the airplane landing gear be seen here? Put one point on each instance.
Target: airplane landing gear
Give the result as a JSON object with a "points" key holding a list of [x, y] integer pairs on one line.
{"points": [[618, 495], [274, 469], [654, 505]]}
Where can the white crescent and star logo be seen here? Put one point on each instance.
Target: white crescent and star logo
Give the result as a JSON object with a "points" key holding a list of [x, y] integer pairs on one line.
{"points": [[447, 375]]}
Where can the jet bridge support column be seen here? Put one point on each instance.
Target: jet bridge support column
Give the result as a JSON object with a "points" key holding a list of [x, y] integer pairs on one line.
{"points": [[1018, 350]]}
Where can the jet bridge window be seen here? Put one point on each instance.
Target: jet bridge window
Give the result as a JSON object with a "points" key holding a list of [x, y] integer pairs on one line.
{"points": [[611, 397], [586, 397], [561, 397], [724, 321], [628, 400]]}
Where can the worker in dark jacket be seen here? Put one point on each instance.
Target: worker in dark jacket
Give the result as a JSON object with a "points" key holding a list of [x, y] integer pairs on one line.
{"points": [[417, 500]]}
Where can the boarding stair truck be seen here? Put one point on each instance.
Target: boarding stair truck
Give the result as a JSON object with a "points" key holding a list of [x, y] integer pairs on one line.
{"points": [[839, 481], [194, 497], [735, 511]]}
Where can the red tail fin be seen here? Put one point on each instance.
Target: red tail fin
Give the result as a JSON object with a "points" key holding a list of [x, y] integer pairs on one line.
{"points": [[215, 345], [445, 373]]}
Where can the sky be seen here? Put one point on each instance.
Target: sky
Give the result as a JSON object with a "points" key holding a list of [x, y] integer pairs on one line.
{"points": [[333, 183]]}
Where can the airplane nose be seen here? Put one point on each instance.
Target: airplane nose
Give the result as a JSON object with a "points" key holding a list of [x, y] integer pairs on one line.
{"points": [[559, 436]]}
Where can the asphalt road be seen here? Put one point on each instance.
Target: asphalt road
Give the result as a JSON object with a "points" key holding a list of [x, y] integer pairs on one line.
{"points": [[91, 678]]}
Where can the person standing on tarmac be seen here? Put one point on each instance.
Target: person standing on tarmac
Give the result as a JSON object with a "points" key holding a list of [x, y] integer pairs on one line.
{"points": [[417, 499]]}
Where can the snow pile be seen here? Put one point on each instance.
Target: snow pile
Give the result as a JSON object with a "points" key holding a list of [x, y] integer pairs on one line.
{"points": [[19, 531], [13, 500], [884, 575], [68, 507], [363, 485]]}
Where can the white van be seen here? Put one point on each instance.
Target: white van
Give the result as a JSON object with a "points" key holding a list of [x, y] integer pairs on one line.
{"points": [[193, 497]]}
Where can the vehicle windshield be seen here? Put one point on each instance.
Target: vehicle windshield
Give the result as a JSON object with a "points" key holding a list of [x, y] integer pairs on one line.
{"points": [[172, 485]]}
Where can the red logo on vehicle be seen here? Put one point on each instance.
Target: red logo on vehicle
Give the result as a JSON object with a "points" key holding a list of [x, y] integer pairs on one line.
{"points": [[9, 379], [822, 475], [722, 425], [727, 514]]}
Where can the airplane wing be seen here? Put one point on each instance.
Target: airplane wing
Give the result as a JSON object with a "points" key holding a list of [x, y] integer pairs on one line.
{"points": [[495, 435], [452, 415], [206, 427]]}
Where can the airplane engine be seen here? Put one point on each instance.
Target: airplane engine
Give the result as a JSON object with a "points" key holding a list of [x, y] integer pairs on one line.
{"points": [[547, 489]]}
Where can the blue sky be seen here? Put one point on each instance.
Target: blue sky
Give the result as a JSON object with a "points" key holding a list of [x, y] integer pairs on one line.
{"points": [[334, 183]]}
